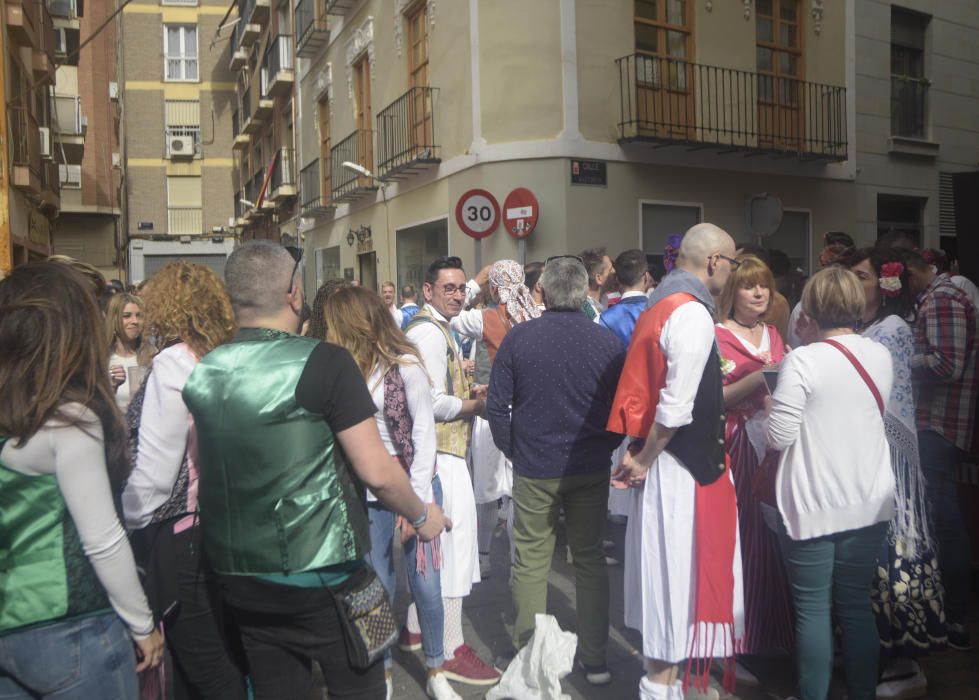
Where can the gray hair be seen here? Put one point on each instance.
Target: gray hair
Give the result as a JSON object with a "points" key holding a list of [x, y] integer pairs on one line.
{"points": [[257, 274], [565, 284]]}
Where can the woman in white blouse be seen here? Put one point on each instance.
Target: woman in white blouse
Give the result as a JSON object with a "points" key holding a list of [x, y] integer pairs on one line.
{"points": [[128, 347], [360, 321], [71, 604], [834, 486]]}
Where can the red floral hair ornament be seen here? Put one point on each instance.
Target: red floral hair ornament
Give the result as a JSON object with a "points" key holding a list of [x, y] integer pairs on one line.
{"points": [[890, 279]]}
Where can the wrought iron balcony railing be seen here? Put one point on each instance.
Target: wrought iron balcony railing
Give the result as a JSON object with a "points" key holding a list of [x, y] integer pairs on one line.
{"points": [[277, 76], [283, 180], [668, 100], [908, 99], [312, 32], [63, 8], [406, 133], [356, 148], [312, 190], [25, 142]]}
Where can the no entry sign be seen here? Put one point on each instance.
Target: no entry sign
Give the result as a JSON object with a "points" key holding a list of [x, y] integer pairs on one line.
{"points": [[520, 212], [477, 213]]}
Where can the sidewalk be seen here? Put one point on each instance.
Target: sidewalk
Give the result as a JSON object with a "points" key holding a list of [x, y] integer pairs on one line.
{"points": [[488, 617]]}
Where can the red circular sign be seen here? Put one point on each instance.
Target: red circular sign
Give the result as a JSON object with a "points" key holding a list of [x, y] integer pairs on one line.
{"points": [[520, 212], [477, 213]]}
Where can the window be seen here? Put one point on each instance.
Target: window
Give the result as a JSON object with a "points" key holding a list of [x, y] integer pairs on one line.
{"points": [[362, 93], [184, 201], [909, 87], [180, 49], [897, 214], [327, 265], [183, 118], [778, 60], [417, 246], [326, 184], [792, 238], [660, 221], [70, 176], [418, 47], [663, 75]]}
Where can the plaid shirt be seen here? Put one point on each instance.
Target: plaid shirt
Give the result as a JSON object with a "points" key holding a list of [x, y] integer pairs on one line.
{"points": [[944, 362]]}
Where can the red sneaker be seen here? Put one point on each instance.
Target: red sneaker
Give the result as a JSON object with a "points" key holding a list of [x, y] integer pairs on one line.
{"points": [[468, 668], [408, 641]]}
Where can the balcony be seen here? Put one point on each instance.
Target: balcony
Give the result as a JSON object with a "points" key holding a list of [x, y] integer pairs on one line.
{"points": [[311, 189], [185, 222], [67, 9], [406, 134], [252, 123], [22, 19], [239, 59], [666, 102], [346, 184], [312, 32], [69, 125], [42, 60], [278, 74], [282, 185], [254, 11], [338, 7], [50, 186], [241, 210], [25, 150], [241, 140]]}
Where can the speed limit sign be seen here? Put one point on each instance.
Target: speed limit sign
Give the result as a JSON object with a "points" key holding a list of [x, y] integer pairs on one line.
{"points": [[478, 213]]}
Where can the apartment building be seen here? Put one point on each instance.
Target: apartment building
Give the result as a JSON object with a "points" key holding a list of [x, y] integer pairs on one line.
{"points": [[178, 94], [86, 110], [262, 56], [29, 192], [627, 122], [917, 117]]}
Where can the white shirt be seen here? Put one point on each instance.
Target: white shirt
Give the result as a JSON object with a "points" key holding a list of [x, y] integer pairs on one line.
{"points": [[834, 473], [124, 392], [966, 285], [430, 342], [75, 454], [794, 341], [163, 428], [418, 394], [687, 342]]}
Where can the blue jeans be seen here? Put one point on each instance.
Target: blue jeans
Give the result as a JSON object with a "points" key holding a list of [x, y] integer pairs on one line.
{"points": [[79, 658], [829, 574], [940, 462], [426, 589]]}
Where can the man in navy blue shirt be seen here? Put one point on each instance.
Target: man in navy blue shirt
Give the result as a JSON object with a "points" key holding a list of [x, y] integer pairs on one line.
{"points": [[551, 390]]}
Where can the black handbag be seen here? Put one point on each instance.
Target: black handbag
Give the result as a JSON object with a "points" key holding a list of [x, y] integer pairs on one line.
{"points": [[366, 616]]}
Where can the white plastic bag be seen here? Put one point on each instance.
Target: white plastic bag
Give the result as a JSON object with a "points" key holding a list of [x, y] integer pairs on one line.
{"points": [[536, 672]]}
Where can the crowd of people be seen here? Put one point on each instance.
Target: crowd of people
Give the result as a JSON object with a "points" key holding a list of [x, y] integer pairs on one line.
{"points": [[220, 474]]}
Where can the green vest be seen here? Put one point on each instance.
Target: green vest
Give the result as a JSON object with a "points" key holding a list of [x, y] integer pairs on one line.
{"points": [[451, 437], [275, 492], [44, 573]]}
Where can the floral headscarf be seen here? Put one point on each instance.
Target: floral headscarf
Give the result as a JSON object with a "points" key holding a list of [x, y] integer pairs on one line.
{"points": [[507, 277]]}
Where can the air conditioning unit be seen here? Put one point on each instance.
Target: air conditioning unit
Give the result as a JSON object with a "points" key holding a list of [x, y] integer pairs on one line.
{"points": [[71, 176], [60, 42], [180, 146], [113, 90], [45, 142]]}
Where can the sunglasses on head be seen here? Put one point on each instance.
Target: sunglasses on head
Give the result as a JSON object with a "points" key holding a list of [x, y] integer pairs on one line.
{"points": [[297, 255], [562, 257]]}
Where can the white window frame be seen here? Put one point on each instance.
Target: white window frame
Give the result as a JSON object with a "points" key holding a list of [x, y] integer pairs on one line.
{"points": [[181, 55]]}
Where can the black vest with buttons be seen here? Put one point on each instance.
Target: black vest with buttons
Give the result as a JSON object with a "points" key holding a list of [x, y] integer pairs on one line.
{"points": [[700, 445]]}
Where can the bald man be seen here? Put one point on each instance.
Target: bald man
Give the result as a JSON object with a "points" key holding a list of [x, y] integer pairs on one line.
{"points": [[683, 567]]}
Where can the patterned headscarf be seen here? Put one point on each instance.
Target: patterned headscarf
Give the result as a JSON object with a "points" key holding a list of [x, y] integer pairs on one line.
{"points": [[507, 277]]}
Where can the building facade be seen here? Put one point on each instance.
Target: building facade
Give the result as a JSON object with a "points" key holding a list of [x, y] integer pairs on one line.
{"points": [[86, 109], [29, 182], [628, 122], [178, 94], [917, 104]]}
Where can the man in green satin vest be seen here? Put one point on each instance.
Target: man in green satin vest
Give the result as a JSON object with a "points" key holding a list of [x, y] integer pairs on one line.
{"points": [[286, 442]]}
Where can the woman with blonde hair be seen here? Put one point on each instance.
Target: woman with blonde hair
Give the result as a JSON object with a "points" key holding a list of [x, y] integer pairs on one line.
{"points": [[188, 310], [834, 486], [360, 321], [749, 346], [70, 601], [127, 345]]}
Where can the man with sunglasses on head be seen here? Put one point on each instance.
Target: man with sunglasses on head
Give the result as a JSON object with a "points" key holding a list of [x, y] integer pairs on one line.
{"points": [[445, 295]]}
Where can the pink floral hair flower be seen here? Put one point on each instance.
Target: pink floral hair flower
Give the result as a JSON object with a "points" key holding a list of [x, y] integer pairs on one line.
{"points": [[890, 278]]}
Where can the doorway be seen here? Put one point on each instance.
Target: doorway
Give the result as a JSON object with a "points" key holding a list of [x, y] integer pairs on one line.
{"points": [[368, 270]]}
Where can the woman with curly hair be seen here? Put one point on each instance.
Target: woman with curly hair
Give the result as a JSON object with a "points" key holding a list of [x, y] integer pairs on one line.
{"points": [[70, 600], [127, 346], [188, 311]]}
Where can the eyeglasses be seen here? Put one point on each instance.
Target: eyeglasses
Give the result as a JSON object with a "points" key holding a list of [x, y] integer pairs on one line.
{"points": [[451, 289], [735, 264], [562, 257], [297, 255]]}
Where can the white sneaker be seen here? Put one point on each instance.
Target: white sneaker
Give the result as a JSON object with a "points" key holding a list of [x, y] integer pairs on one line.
{"points": [[438, 688], [898, 685]]}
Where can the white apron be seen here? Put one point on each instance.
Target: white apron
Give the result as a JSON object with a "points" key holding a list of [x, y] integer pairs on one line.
{"points": [[460, 568], [492, 472]]}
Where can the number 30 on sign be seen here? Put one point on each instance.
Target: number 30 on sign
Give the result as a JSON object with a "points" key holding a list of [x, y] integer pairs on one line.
{"points": [[478, 213]]}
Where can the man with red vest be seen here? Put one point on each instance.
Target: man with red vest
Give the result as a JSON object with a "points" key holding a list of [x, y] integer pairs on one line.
{"points": [[683, 575]]}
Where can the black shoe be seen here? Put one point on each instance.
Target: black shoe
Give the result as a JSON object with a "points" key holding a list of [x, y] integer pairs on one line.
{"points": [[958, 638], [596, 675]]}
